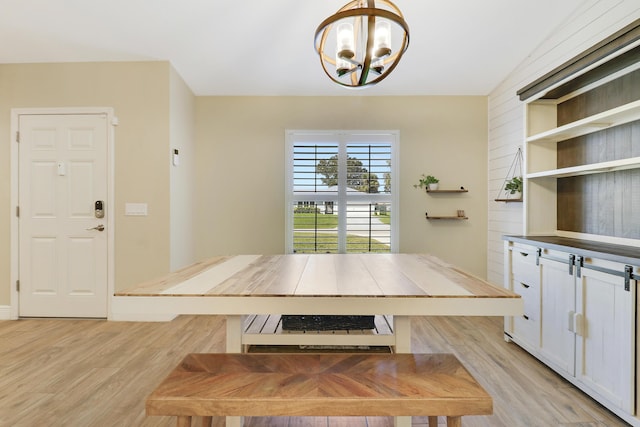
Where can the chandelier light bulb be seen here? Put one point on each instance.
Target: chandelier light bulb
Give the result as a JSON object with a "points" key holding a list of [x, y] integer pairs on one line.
{"points": [[382, 46], [346, 40]]}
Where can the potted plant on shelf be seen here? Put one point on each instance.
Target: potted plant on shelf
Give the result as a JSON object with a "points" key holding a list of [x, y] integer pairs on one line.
{"points": [[514, 187], [429, 182]]}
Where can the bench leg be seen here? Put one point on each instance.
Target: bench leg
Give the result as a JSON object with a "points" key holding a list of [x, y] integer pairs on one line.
{"points": [[402, 422], [454, 421], [433, 421], [184, 421]]}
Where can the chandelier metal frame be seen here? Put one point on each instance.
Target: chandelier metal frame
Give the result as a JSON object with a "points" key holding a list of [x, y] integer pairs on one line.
{"points": [[359, 75]]}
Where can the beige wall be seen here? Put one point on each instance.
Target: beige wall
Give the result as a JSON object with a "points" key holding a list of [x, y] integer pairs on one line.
{"points": [[139, 95], [182, 176], [241, 155]]}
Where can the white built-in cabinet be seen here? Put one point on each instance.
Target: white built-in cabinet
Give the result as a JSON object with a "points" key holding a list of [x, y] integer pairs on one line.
{"points": [[576, 264], [579, 319]]}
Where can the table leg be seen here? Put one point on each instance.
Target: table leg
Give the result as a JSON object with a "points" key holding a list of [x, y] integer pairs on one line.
{"points": [[184, 421], [433, 421], [402, 334], [234, 345], [208, 421], [234, 334]]}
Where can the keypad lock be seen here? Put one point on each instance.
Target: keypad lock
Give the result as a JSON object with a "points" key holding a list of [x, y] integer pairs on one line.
{"points": [[99, 209]]}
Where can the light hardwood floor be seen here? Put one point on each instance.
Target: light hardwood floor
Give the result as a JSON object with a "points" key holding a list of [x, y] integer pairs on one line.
{"points": [[81, 373]]}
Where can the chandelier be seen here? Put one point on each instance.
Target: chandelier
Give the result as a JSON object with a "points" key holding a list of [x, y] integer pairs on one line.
{"points": [[355, 44]]}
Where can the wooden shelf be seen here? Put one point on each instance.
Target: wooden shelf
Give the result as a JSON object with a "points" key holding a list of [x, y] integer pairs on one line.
{"points": [[446, 217], [509, 200], [612, 166], [614, 117], [461, 190]]}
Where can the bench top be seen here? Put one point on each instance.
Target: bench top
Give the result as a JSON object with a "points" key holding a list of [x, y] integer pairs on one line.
{"points": [[336, 384]]}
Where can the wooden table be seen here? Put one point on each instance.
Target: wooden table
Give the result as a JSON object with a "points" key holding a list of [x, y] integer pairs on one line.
{"points": [[401, 285]]}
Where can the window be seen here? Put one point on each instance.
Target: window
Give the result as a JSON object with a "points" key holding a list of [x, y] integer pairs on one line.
{"points": [[341, 195]]}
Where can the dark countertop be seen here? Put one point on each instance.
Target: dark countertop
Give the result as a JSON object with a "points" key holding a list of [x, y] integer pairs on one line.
{"points": [[586, 248]]}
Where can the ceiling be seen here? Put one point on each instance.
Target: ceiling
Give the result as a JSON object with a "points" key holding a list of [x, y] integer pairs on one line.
{"points": [[265, 47]]}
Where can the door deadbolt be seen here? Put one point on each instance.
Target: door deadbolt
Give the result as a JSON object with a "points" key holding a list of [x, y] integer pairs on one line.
{"points": [[99, 209]]}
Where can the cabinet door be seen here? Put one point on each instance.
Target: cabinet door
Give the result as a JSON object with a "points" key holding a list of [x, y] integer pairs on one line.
{"points": [[605, 336], [557, 294]]}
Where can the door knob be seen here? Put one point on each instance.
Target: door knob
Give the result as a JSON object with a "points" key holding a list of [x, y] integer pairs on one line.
{"points": [[98, 227]]}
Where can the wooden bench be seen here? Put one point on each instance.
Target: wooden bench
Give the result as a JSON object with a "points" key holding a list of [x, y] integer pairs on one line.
{"points": [[329, 384]]}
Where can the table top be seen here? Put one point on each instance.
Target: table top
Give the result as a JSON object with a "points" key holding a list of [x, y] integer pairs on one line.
{"points": [[321, 275], [319, 384], [352, 284]]}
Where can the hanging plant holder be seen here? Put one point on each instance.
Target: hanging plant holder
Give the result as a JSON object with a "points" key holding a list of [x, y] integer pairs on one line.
{"points": [[511, 189]]}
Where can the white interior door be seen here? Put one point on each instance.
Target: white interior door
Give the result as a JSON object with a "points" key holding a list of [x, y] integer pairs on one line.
{"points": [[63, 244]]}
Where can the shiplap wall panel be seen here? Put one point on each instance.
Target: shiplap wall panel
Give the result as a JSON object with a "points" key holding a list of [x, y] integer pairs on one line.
{"points": [[592, 22]]}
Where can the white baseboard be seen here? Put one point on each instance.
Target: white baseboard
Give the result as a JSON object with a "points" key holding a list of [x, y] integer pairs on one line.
{"points": [[5, 312], [141, 317], [125, 309]]}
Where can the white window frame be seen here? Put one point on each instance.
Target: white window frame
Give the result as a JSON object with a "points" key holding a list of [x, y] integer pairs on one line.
{"points": [[342, 138]]}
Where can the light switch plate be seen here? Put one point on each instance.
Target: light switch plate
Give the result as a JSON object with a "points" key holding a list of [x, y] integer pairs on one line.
{"points": [[135, 209]]}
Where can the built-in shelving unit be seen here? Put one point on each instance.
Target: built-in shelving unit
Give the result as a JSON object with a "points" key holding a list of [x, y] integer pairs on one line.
{"points": [[581, 151]]}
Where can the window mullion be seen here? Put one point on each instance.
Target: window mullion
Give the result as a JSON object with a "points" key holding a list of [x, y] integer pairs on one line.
{"points": [[342, 195]]}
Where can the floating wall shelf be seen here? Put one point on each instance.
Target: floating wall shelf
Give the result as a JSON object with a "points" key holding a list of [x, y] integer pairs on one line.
{"points": [[461, 190], [445, 217]]}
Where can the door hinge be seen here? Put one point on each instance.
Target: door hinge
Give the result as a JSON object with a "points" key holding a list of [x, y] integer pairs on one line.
{"points": [[18, 211], [18, 136], [18, 285]]}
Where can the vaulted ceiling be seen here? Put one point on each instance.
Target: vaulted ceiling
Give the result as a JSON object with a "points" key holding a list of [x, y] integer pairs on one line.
{"points": [[265, 47]]}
